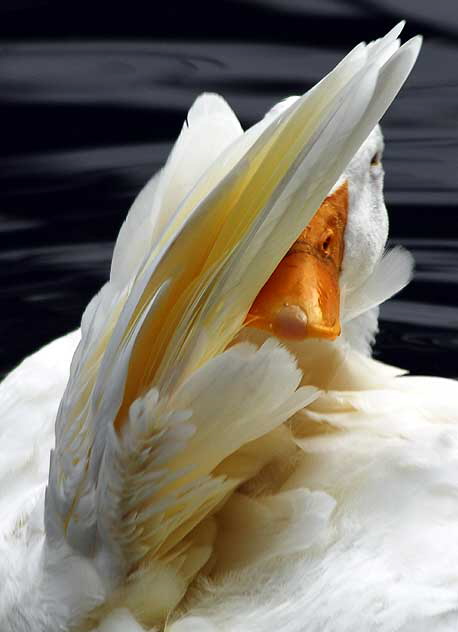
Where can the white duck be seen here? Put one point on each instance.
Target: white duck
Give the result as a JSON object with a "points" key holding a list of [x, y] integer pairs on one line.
{"points": [[205, 489]]}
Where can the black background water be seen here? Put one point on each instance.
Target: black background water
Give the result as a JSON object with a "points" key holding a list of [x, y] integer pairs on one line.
{"points": [[93, 94]]}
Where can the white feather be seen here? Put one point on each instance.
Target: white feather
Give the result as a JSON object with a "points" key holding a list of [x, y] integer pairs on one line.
{"points": [[390, 275], [383, 465], [177, 315], [29, 398], [119, 621], [210, 127], [166, 441], [134, 492]]}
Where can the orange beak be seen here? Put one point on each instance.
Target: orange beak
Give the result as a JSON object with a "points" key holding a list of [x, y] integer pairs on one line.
{"points": [[302, 297]]}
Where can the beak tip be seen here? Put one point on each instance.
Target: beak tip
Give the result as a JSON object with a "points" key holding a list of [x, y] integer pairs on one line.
{"points": [[291, 323]]}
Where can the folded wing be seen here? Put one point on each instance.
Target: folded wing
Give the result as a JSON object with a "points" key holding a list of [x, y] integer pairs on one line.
{"points": [[135, 467]]}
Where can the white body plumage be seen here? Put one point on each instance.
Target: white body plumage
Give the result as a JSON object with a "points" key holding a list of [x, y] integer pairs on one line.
{"points": [[173, 465]]}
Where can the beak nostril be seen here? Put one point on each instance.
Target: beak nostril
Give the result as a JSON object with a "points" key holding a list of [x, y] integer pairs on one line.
{"points": [[327, 244]]}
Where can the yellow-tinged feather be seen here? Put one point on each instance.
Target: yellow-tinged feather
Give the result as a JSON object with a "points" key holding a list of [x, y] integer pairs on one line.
{"points": [[222, 225], [147, 393]]}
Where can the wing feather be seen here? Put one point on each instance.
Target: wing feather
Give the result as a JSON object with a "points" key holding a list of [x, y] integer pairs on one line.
{"points": [[120, 427], [210, 127], [164, 473]]}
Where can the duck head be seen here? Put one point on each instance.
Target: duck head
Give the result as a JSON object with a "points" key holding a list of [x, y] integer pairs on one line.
{"points": [[335, 270]]}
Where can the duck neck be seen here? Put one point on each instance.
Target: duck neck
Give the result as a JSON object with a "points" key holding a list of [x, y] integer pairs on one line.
{"points": [[360, 332]]}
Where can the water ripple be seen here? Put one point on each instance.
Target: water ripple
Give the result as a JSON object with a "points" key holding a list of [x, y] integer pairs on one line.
{"points": [[88, 121]]}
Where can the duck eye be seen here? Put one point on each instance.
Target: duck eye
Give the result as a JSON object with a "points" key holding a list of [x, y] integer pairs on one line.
{"points": [[375, 160]]}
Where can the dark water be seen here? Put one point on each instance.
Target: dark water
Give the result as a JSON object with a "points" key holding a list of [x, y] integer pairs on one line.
{"points": [[92, 95]]}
